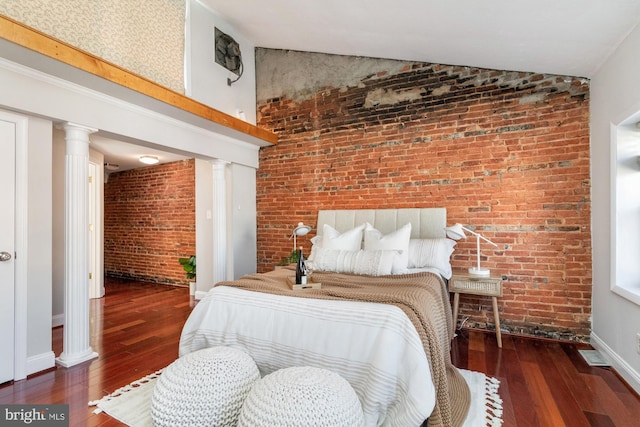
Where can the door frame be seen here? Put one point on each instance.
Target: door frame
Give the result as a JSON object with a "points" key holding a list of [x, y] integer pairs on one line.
{"points": [[96, 239], [20, 263]]}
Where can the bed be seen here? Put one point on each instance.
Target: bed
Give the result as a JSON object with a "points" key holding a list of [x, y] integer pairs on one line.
{"points": [[387, 334]]}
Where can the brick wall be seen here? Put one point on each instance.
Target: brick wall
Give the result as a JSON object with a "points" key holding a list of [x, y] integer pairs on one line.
{"points": [[507, 153], [150, 222]]}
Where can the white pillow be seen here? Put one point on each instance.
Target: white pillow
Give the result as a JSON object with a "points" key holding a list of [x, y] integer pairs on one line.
{"points": [[370, 263], [395, 241], [434, 253], [316, 244], [350, 240]]}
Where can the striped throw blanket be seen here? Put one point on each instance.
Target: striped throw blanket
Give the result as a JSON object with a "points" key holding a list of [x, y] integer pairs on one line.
{"points": [[421, 296]]}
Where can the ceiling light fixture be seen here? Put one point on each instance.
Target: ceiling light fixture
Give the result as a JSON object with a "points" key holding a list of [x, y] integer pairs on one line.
{"points": [[149, 160]]}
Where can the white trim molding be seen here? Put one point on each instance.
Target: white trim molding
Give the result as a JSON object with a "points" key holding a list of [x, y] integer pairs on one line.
{"points": [[57, 320], [618, 363], [40, 362], [200, 294]]}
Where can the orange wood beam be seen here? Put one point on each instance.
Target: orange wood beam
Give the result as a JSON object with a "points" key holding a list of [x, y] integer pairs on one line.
{"points": [[44, 44]]}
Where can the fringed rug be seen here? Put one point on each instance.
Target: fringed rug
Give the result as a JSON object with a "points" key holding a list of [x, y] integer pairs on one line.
{"points": [[131, 404]]}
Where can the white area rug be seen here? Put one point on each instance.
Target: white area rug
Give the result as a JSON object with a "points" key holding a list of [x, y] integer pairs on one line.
{"points": [[131, 404]]}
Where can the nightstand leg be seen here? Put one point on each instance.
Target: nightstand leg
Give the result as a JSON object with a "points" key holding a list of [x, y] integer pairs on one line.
{"points": [[456, 300], [496, 317]]}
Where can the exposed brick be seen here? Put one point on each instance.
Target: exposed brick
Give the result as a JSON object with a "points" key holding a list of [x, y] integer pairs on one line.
{"points": [[505, 152], [149, 222]]}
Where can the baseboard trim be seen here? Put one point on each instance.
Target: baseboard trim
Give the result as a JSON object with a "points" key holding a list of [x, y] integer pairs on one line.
{"points": [[631, 376], [57, 320], [40, 362], [200, 294]]}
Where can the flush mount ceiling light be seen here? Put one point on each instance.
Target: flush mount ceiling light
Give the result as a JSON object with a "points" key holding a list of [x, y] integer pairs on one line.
{"points": [[149, 160]]}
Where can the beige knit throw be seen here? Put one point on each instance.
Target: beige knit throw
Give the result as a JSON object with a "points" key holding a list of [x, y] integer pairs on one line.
{"points": [[424, 299]]}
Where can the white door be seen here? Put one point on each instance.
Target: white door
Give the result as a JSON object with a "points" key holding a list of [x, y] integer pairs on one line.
{"points": [[7, 242]]}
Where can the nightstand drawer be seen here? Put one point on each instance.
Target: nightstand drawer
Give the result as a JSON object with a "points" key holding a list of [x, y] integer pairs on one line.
{"points": [[482, 286]]}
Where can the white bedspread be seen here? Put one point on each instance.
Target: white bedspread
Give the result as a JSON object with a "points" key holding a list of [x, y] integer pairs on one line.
{"points": [[373, 346]]}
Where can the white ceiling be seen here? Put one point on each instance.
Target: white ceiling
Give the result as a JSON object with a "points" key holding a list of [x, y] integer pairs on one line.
{"points": [[565, 37], [126, 155]]}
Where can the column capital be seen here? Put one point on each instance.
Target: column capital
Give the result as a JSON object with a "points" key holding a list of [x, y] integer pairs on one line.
{"points": [[219, 163], [75, 126]]}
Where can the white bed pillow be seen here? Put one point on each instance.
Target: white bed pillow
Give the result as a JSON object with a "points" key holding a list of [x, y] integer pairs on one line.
{"points": [[370, 263], [395, 241], [434, 253], [350, 240]]}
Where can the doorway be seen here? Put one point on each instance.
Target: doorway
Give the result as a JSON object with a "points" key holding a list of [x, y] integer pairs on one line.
{"points": [[7, 246]]}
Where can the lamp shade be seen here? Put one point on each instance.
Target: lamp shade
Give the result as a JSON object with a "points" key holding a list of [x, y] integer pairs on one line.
{"points": [[455, 232], [301, 229]]}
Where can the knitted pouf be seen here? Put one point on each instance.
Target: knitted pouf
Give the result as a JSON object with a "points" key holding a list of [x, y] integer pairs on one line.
{"points": [[301, 397], [206, 387]]}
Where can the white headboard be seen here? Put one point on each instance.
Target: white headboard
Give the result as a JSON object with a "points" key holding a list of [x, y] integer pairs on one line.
{"points": [[425, 222]]}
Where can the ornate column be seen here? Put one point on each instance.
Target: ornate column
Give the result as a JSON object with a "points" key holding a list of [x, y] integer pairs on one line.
{"points": [[76, 346], [219, 221]]}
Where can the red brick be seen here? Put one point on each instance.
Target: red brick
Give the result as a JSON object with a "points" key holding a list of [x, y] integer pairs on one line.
{"points": [[517, 172]]}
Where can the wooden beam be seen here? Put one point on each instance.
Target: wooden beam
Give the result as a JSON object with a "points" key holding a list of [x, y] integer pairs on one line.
{"points": [[46, 45]]}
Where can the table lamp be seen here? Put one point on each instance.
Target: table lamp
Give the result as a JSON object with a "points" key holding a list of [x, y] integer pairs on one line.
{"points": [[457, 232], [300, 230]]}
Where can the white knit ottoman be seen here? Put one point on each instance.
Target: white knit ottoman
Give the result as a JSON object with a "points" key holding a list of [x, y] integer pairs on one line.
{"points": [[301, 397], [203, 388]]}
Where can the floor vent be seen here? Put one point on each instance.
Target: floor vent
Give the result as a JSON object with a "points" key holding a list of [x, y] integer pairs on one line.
{"points": [[593, 358]]}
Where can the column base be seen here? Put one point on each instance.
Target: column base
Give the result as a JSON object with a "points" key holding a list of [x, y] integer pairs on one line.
{"points": [[68, 361]]}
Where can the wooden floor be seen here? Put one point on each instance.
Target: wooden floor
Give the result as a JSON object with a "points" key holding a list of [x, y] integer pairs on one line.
{"points": [[135, 330]]}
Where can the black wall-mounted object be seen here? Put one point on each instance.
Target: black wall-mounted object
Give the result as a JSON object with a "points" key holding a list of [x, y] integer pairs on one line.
{"points": [[227, 54]]}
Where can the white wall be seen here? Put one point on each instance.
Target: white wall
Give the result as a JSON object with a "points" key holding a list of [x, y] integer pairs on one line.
{"points": [[615, 97], [57, 181], [38, 250], [204, 226], [241, 222], [243, 214], [38, 94], [206, 81]]}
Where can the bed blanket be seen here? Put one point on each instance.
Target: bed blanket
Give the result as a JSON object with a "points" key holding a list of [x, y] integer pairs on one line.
{"points": [[422, 298]]}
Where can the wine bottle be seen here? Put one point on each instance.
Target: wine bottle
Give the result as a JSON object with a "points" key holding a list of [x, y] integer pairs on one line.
{"points": [[301, 269]]}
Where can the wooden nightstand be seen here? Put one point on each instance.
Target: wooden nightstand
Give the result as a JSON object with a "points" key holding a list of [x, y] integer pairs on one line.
{"points": [[486, 286]]}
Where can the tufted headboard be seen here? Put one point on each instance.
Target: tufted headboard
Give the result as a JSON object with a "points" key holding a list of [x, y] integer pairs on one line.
{"points": [[425, 222]]}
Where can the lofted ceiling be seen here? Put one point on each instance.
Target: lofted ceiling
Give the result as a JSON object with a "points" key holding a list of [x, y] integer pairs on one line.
{"points": [[565, 37]]}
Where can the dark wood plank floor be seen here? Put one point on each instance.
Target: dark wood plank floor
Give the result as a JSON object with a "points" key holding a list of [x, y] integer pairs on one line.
{"points": [[136, 328]]}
